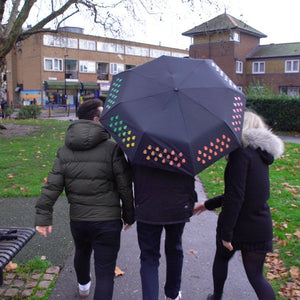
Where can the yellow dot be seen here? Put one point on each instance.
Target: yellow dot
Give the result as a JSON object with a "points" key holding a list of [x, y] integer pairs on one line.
{"points": [[133, 138], [132, 144], [128, 139], [127, 145]]}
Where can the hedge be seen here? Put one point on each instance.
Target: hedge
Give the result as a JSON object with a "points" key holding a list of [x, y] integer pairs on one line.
{"points": [[279, 114]]}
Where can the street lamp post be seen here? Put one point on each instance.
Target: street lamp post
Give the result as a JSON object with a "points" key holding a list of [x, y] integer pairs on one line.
{"points": [[65, 93]]}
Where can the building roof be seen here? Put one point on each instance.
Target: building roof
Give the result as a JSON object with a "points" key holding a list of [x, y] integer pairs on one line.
{"points": [[223, 22], [275, 50]]}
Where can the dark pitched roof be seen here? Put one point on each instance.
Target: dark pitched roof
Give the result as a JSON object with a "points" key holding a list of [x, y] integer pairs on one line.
{"points": [[275, 50], [223, 22]]}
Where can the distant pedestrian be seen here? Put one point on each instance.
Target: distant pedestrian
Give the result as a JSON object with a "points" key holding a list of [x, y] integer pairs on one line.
{"points": [[245, 221], [163, 201], [4, 107], [95, 175]]}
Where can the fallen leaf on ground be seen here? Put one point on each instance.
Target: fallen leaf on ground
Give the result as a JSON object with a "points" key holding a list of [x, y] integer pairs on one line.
{"points": [[118, 272], [294, 271], [191, 251]]}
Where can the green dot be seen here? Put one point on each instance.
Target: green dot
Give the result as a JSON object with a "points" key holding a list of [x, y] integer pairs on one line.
{"points": [[115, 129], [111, 118]]}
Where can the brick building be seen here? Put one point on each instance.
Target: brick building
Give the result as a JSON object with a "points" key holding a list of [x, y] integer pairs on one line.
{"points": [[235, 47], [47, 66]]}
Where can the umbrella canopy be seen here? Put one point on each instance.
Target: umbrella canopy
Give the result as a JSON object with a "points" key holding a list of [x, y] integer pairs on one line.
{"points": [[178, 114]]}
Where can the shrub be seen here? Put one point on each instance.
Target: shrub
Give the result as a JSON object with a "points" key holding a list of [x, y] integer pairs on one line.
{"points": [[30, 112]]}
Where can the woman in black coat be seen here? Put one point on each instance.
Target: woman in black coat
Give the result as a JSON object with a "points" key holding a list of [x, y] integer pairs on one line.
{"points": [[245, 221]]}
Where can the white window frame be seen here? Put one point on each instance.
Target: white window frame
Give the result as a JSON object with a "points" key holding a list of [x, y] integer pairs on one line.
{"points": [[292, 66], [72, 43], [239, 67], [87, 45], [234, 36], [56, 63], [87, 66], [116, 68], [260, 69]]}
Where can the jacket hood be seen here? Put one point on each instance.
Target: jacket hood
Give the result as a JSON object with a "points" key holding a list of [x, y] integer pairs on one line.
{"points": [[85, 134], [264, 140]]}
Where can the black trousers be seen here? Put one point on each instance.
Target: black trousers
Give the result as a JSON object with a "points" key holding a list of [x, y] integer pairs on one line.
{"points": [[104, 238]]}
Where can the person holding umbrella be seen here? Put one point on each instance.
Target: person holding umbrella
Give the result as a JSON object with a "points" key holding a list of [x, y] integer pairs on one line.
{"points": [[245, 222], [164, 200], [95, 175]]}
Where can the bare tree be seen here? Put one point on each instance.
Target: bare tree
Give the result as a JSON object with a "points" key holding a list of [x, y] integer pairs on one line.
{"points": [[15, 14]]}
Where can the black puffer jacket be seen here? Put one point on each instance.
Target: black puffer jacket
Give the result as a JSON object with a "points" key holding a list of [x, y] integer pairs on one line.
{"points": [[95, 174], [245, 215], [163, 197]]}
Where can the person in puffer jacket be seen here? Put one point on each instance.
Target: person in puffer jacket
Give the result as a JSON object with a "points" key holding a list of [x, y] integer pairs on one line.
{"points": [[245, 222], [95, 175]]}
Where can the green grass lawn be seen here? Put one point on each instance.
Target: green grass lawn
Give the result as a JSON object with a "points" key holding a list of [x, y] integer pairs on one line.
{"points": [[27, 160]]}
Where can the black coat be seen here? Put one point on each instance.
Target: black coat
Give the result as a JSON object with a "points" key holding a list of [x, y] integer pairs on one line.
{"points": [[245, 215], [163, 197]]}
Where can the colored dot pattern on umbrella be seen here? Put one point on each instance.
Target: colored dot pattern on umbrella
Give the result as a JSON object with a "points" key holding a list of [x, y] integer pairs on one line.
{"points": [[226, 78], [113, 93], [237, 114], [122, 131], [164, 156], [213, 149]]}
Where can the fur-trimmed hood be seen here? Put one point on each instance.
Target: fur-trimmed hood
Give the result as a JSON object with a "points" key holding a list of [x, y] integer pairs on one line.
{"points": [[265, 140]]}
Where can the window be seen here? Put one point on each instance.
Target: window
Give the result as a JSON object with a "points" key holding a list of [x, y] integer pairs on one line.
{"points": [[86, 66], [291, 66], [234, 36], [102, 72], [110, 47], [116, 68], [53, 64], [157, 53], [258, 67], [87, 45], [71, 69], [239, 67], [140, 51], [290, 91], [72, 43]]}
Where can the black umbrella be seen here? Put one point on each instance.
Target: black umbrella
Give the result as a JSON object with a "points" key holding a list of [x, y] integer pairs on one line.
{"points": [[178, 114]]}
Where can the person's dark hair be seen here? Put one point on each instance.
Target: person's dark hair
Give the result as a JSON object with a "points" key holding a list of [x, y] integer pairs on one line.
{"points": [[89, 109]]}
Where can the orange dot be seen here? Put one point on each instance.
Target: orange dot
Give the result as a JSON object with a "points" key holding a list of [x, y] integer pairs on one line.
{"points": [[163, 161], [198, 158], [204, 154], [157, 149], [160, 155], [152, 153], [228, 140], [171, 163], [210, 151], [222, 143], [149, 147], [175, 158], [155, 159], [180, 154], [199, 152], [211, 144], [148, 157], [165, 150], [183, 161], [227, 146], [221, 150], [223, 136], [203, 161], [216, 146], [168, 156], [205, 148], [172, 152], [145, 151], [215, 153], [179, 165], [217, 140], [209, 157]]}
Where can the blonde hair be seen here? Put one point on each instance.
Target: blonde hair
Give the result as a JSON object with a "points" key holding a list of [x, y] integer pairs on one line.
{"points": [[252, 120]]}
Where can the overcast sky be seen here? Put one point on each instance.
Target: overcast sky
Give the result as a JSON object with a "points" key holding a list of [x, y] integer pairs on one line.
{"points": [[279, 20]]}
